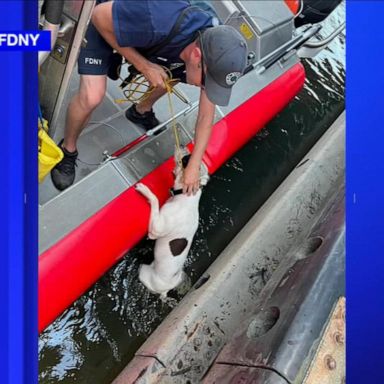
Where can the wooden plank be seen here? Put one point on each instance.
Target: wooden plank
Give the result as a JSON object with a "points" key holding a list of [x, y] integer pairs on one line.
{"points": [[328, 365]]}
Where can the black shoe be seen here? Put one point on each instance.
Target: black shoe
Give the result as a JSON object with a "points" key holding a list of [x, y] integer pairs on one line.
{"points": [[63, 175], [146, 120]]}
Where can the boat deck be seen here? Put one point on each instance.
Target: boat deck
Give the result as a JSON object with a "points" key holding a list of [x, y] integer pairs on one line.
{"points": [[108, 130]]}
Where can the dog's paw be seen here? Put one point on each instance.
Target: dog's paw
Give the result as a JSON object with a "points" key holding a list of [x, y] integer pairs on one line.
{"points": [[185, 284], [152, 236], [143, 189], [139, 187], [169, 301]]}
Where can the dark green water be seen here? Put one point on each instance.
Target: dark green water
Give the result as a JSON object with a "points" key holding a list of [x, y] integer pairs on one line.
{"points": [[96, 337]]}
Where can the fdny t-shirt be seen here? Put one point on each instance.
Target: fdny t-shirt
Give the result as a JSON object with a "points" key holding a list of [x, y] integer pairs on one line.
{"points": [[143, 24]]}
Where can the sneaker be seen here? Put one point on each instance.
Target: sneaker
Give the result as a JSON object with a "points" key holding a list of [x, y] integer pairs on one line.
{"points": [[63, 175], [146, 120]]}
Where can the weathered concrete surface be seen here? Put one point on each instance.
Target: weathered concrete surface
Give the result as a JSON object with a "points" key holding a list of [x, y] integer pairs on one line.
{"points": [[185, 345]]}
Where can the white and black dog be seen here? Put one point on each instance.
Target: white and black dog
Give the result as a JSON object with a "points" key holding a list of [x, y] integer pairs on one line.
{"points": [[173, 226]]}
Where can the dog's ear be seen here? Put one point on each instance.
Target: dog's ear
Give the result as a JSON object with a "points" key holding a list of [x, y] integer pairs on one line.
{"points": [[185, 160], [183, 154]]}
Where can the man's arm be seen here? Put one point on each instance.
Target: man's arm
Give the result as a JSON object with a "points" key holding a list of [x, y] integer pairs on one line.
{"points": [[103, 21], [202, 134]]}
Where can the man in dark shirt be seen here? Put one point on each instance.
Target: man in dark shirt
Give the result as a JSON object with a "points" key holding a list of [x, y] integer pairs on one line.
{"points": [[214, 59]]}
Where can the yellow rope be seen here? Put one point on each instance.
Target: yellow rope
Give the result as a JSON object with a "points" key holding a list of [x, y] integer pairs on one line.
{"points": [[138, 90], [174, 125]]}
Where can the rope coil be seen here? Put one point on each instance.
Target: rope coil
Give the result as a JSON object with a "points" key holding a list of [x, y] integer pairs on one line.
{"points": [[138, 90]]}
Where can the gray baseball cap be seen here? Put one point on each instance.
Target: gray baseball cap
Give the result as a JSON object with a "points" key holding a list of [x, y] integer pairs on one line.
{"points": [[225, 56]]}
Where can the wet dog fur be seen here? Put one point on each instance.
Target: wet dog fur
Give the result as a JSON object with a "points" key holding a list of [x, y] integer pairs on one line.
{"points": [[173, 227]]}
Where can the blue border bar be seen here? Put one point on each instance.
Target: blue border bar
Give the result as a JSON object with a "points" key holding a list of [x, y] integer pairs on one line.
{"points": [[18, 201], [31, 221], [365, 197], [365, 192]]}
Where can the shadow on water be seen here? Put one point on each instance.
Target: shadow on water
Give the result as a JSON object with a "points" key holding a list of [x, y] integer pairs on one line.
{"points": [[96, 337]]}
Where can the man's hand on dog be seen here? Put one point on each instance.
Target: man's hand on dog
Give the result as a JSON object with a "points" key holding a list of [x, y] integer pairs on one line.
{"points": [[191, 179]]}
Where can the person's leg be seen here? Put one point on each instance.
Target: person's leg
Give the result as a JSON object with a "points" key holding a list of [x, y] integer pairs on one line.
{"points": [[93, 65], [147, 104], [90, 95], [142, 113]]}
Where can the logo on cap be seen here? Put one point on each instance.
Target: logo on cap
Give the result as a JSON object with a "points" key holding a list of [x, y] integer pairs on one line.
{"points": [[232, 77]]}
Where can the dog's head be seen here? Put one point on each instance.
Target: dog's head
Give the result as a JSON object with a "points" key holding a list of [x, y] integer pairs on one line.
{"points": [[184, 154]]}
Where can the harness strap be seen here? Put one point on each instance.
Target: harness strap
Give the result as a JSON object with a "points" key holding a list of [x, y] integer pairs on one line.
{"points": [[175, 192]]}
